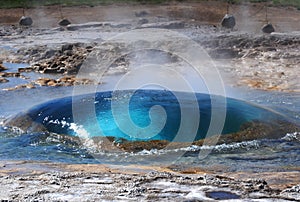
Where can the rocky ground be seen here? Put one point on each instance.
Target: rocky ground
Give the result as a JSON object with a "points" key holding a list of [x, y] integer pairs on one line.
{"points": [[267, 62], [32, 181], [55, 54]]}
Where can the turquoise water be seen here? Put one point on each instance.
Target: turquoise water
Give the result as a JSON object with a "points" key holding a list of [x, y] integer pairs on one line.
{"points": [[57, 146], [57, 116]]}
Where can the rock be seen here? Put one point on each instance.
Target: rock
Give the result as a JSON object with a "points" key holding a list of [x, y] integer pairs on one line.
{"points": [[25, 21], [228, 21], [118, 25], [165, 25], [222, 195], [67, 47], [141, 14], [3, 80], [2, 68], [30, 86], [42, 81], [52, 83], [265, 49], [74, 27], [223, 53], [268, 28], [66, 59], [25, 69], [49, 53], [64, 81], [64, 22], [51, 70], [143, 21], [10, 74], [89, 48]]}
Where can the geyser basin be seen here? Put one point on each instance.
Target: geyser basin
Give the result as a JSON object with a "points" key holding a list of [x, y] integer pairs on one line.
{"points": [[243, 120]]}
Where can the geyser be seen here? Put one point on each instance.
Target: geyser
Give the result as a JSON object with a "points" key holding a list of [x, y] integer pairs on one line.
{"points": [[57, 116]]}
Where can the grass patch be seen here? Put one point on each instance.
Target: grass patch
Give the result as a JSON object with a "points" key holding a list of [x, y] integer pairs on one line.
{"points": [[295, 3]]}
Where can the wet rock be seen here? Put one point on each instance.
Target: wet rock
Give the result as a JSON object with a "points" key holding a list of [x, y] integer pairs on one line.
{"points": [[67, 47], [52, 83], [30, 86], [3, 80], [64, 22], [50, 70], [222, 195], [64, 81], [118, 25], [10, 74], [74, 27], [138, 146], [65, 181], [25, 21], [49, 53], [165, 25], [228, 21], [268, 28], [251, 54], [22, 86], [141, 14], [89, 48], [25, 69], [42, 81], [68, 59], [2, 68], [143, 21], [224, 53], [266, 49]]}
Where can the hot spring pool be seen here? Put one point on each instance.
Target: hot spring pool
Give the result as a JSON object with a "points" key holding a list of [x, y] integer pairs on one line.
{"points": [[51, 131], [57, 116]]}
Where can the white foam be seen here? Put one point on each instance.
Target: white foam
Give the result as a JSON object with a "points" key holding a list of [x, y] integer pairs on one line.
{"points": [[247, 145], [224, 147], [292, 136], [79, 130]]}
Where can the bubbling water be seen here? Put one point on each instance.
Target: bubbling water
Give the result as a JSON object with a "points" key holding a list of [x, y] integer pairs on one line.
{"points": [[56, 115]]}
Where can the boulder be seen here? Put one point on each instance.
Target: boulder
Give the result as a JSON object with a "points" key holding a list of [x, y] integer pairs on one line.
{"points": [[25, 21], [141, 14], [228, 21], [64, 22], [268, 28]]}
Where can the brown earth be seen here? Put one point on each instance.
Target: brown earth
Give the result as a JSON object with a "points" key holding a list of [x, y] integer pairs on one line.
{"points": [[263, 62], [250, 17]]}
